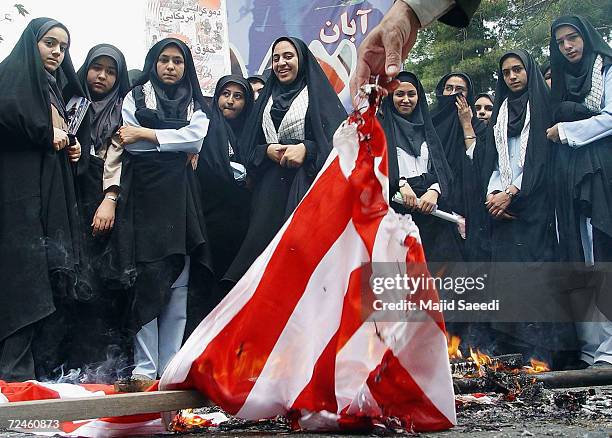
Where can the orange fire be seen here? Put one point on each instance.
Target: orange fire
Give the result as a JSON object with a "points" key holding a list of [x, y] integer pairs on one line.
{"points": [[188, 421], [537, 366], [480, 359], [453, 343]]}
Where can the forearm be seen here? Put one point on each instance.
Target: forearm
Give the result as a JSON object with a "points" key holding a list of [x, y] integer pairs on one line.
{"points": [[469, 136]]}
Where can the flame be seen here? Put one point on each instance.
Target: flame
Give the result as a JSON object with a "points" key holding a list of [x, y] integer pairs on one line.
{"points": [[188, 421], [537, 366], [453, 343], [481, 359]]}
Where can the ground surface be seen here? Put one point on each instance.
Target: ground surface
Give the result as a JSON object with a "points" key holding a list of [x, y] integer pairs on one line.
{"points": [[543, 413]]}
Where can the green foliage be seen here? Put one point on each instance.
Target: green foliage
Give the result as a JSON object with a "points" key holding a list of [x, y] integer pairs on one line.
{"points": [[497, 26]]}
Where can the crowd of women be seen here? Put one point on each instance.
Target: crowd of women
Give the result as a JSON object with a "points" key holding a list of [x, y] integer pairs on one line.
{"points": [[123, 235]]}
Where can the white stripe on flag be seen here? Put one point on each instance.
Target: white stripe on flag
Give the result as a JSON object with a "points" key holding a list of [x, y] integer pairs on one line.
{"points": [[432, 374], [355, 361]]}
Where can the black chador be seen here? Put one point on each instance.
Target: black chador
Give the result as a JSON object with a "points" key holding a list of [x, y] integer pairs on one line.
{"points": [[98, 316], [311, 112], [530, 236], [225, 197], [583, 174], [415, 136], [222, 176], [159, 217], [465, 199], [39, 238], [517, 145]]}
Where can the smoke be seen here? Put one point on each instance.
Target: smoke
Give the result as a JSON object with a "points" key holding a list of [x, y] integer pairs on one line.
{"points": [[108, 371]]}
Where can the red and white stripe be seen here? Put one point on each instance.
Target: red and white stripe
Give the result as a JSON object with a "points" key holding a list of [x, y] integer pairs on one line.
{"points": [[147, 424], [291, 338]]}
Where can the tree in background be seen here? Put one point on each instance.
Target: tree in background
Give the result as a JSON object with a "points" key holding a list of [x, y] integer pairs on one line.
{"points": [[7, 16], [498, 25]]}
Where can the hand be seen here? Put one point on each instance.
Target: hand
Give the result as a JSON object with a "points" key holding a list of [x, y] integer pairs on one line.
{"points": [[553, 134], [409, 197], [497, 204], [386, 46], [461, 226], [275, 152], [464, 111], [104, 219], [428, 202], [129, 135], [74, 152], [60, 139], [193, 159], [294, 156]]}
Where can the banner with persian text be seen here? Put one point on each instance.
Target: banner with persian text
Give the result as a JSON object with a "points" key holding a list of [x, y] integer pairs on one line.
{"points": [[333, 29]]}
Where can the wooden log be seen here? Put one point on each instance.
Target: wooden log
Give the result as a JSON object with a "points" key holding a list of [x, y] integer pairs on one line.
{"points": [[550, 380], [86, 408], [575, 378], [467, 365]]}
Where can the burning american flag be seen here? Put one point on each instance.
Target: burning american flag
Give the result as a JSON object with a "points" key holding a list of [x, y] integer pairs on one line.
{"points": [[292, 339]]}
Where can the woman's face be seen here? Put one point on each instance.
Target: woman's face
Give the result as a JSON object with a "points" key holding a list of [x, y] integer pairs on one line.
{"points": [[231, 101], [285, 63], [171, 65], [455, 85], [515, 75], [548, 78], [405, 98], [102, 75], [570, 43], [52, 48], [484, 108]]}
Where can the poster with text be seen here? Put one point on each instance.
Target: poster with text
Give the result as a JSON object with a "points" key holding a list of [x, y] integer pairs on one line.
{"points": [[333, 29]]}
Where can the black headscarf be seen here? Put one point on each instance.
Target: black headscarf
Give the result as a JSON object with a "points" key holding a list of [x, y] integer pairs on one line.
{"points": [[105, 112], [489, 96], [406, 132], [261, 78], [413, 129], [545, 67], [324, 108], [172, 100], [517, 102], [536, 174], [446, 120], [284, 94], [29, 89], [448, 127], [572, 81], [214, 157], [238, 123]]}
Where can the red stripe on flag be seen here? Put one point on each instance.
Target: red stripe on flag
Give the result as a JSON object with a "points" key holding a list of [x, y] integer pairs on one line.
{"points": [[26, 391], [398, 395]]}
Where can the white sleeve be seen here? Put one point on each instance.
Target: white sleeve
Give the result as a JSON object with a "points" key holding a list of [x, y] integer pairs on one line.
{"points": [[436, 187], [187, 139], [495, 182], [428, 11], [128, 112], [584, 132], [470, 151]]}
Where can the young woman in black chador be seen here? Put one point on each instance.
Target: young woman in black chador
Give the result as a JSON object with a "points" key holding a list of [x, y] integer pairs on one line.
{"points": [[39, 225], [286, 142]]}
